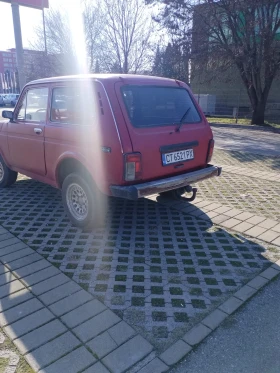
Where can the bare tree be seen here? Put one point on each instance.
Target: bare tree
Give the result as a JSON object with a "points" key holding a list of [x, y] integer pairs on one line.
{"points": [[241, 33], [117, 36], [126, 36], [93, 26], [59, 57]]}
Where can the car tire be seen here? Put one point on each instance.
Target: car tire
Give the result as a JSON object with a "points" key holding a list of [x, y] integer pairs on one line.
{"points": [[83, 203], [7, 176]]}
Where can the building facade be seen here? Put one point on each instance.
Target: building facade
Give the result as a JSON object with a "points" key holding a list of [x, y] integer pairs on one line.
{"points": [[220, 78]]}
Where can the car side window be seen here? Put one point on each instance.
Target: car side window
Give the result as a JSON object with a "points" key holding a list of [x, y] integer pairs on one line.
{"points": [[64, 107], [34, 105]]}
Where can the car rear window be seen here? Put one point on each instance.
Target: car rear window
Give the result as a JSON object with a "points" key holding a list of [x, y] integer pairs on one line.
{"points": [[149, 106]]}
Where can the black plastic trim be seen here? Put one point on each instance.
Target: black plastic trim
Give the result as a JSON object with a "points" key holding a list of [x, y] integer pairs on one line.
{"points": [[175, 147]]}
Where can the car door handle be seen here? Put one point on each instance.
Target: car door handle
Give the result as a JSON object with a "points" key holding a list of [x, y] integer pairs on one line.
{"points": [[38, 131]]}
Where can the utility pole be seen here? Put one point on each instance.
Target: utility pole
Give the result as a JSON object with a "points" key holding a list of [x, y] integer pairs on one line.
{"points": [[45, 35], [19, 47]]}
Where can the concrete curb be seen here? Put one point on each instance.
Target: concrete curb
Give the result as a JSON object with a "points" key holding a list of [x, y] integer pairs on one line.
{"points": [[205, 327]]}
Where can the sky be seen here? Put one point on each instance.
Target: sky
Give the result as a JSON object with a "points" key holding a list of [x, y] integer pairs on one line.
{"points": [[30, 18]]}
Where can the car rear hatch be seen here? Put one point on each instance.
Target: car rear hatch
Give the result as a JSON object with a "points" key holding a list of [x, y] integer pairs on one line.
{"points": [[167, 129]]}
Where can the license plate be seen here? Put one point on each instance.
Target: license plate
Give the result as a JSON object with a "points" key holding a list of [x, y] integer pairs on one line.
{"points": [[180, 156]]}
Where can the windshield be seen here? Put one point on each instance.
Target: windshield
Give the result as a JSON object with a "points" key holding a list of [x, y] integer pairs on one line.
{"points": [[159, 106]]}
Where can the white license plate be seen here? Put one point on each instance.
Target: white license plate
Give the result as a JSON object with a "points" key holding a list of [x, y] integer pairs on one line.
{"points": [[180, 156]]}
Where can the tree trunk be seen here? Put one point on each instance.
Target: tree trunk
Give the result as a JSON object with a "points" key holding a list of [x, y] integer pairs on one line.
{"points": [[258, 114]]}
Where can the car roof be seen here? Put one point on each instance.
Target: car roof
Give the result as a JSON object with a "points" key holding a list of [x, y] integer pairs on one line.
{"points": [[103, 77]]}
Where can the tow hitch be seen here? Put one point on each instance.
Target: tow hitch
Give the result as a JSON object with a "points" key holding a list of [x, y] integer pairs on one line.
{"points": [[192, 190], [178, 194]]}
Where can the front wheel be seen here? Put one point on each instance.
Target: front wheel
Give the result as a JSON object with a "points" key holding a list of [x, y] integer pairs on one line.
{"points": [[82, 201], [7, 176]]}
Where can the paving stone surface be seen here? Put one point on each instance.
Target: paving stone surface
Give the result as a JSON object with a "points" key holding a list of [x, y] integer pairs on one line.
{"points": [[5, 278], [158, 269], [45, 285], [215, 318], [97, 368], [256, 162], [83, 313], [127, 355], [249, 194], [10, 288], [196, 334], [52, 351], [40, 336], [62, 291], [175, 353], [258, 282], [20, 311], [230, 305], [70, 303], [102, 345], [98, 324], [9, 302], [45, 271], [121, 332], [155, 366], [28, 323], [245, 292], [73, 362]]}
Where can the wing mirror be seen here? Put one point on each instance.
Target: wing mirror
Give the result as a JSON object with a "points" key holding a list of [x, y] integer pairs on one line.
{"points": [[8, 114]]}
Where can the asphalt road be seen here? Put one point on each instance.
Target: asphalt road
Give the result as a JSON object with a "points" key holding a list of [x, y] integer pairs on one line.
{"points": [[247, 140], [247, 342]]}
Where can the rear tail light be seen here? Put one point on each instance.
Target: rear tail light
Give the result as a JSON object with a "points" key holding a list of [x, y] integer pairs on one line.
{"points": [[132, 166], [210, 150]]}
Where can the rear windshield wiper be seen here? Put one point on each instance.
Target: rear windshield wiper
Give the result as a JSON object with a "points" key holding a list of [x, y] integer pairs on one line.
{"points": [[182, 119]]}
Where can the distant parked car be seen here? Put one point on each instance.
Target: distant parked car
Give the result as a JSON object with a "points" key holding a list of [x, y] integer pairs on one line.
{"points": [[2, 100], [11, 99]]}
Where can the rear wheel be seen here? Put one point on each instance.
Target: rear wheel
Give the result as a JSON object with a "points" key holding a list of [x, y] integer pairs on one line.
{"points": [[7, 176], [82, 201]]}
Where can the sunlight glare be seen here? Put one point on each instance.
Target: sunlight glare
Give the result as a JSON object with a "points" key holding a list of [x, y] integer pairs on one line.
{"points": [[88, 104]]}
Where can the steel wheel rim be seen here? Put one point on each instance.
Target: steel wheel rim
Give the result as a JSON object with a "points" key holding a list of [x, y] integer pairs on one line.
{"points": [[1, 172], [77, 201]]}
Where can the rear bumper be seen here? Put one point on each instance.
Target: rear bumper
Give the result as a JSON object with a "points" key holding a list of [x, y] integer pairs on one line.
{"points": [[136, 191]]}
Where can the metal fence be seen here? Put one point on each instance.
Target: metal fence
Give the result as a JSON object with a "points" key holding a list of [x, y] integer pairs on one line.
{"points": [[9, 82], [231, 101]]}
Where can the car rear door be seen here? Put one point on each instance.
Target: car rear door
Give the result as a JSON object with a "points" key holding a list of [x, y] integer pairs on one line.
{"points": [[166, 149], [26, 132]]}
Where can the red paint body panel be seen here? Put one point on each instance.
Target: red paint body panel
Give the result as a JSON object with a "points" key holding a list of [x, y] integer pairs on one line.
{"points": [[107, 125]]}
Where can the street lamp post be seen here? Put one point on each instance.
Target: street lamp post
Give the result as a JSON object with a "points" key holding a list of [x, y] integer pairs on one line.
{"points": [[19, 47]]}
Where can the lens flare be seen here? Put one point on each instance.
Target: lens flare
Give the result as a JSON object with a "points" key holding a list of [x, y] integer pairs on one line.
{"points": [[90, 132]]}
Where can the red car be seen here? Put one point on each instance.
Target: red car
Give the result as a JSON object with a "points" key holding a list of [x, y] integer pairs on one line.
{"points": [[93, 136]]}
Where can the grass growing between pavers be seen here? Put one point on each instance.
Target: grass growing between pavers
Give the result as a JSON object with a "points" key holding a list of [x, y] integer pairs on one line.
{"points": [[21, 366], [166, 270], [256, 196], [256, 162]]}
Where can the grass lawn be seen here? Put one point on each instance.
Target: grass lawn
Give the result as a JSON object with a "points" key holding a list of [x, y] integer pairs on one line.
{"points": [[245, 122]]}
